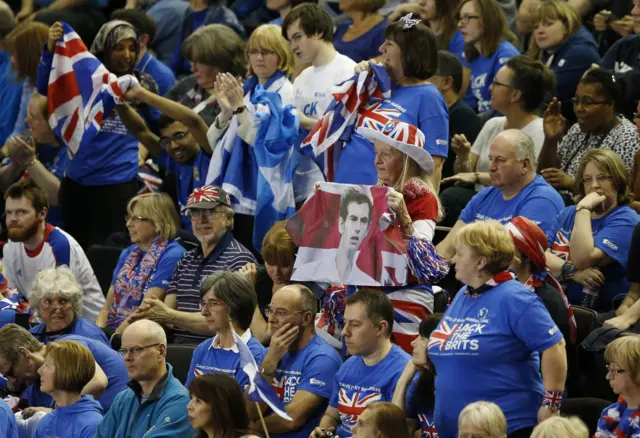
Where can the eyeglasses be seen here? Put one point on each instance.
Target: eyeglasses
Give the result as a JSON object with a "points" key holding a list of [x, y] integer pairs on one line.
{"points": [[600, 178], [279, 313], [585, 101], [500, 84], [165, 142], [195, 213], [134, 218], [264, 53], [135, 350], [615, 371], [211, 305], [464, 19], [48, 303]]}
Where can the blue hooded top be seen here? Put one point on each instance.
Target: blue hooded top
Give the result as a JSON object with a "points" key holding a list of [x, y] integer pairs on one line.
{"points": [[8, 426], [79, 420]]}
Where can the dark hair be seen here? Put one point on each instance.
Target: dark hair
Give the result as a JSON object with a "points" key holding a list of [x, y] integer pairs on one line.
{"points": [[229, 418], [314, 20], [27, 188], [446, 11], [611, 89], [424, 395], [236, 292], [353, 196], [419, 48], [217, 46], [533, 79], [495, 28], [450, 65], [164, 121], [143, 23], [377, 305]]}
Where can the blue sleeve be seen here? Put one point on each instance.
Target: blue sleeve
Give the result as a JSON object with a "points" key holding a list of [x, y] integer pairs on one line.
{"points": [[456, 45], [468, 214], [8, 426], [542, 211], [109, 424], [435, 128], [44, 68], [191, 374], [60, 247], [614, 239], [409, 408], [576, 62], [532, 323], [166, 264], [121, 260], [333, 401], [60, 164], [175, 409], [321, 372], [555, 227]]}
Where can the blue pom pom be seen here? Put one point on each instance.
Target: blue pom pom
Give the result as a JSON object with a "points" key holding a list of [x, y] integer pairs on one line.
{"points": [[425, 262]]}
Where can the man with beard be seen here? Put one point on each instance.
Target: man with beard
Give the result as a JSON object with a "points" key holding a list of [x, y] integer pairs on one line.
{"points": [[35, 245], [209, 209]]}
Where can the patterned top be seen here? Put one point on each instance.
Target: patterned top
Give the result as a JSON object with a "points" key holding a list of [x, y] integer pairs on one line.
{"points": [[188, 93], [194, 268]]}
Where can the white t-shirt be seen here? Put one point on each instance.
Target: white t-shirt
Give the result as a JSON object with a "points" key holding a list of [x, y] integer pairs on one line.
{"points": [[312, 88], [492, 129], [58, 248]]}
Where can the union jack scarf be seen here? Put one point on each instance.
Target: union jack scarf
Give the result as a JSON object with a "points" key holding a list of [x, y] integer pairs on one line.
{"points": [[610, 426], [132, 281], [497, 279], [350, 97]]}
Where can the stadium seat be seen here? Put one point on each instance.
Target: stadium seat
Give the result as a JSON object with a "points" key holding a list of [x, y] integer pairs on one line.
{"points": [[586, 321], [103, 260], [587, 409], [179, 356]]}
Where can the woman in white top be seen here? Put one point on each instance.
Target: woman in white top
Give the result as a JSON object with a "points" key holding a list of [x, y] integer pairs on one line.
{"points": [[518, 92]]}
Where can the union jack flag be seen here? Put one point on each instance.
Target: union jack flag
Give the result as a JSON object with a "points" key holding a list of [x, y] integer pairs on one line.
{"points": [[278, 386], [352, 406], [82, 92], [428, 427], [375, 117], [441, 335], [561, 247], [197, 372]]}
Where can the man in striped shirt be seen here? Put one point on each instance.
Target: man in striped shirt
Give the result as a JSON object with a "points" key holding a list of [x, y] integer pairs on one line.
{"points": [[209, 209]]}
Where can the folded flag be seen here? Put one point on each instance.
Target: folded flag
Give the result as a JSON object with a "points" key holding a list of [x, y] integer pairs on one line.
{"points": [[82, 92], [259, 389]]}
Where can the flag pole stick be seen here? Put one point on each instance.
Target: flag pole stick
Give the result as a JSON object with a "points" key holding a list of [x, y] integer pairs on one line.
{"points": [[264, 425]]}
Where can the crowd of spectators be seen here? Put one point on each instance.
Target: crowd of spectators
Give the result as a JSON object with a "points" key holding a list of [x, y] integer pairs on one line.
{"points": [[137, 268]]}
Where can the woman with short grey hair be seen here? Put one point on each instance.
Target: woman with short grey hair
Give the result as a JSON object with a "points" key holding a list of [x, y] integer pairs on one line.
{"points": [[56, 298]]}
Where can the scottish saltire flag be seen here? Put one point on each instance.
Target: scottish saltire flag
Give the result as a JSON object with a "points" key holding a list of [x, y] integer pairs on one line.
{"points": [[259, 389], [259, 178], [81, 91]]}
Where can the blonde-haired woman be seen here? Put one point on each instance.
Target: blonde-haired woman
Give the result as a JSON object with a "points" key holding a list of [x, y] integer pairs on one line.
{"points": [[589, 244], [494, 338], [482, 419], [571, 427], [68, 367], [144, 269], [565, 46], [56, 297], [621, 418]]}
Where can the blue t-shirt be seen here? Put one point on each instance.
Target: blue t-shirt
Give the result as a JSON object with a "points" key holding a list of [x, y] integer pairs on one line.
{"points": [[311, 369], [188, 178], [164, 77], [424, 416], [164, 269], [456, 46], [487, 348], [78, 420], [612, 235], [356, 385], [364, 47], [10, 95], [483, 70], [538, 202], [8, 426], [208, 359], [419, 105], [81, 327]]}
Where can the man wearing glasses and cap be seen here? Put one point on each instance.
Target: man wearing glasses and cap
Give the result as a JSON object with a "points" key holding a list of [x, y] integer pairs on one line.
{"points": [[212, 220]]}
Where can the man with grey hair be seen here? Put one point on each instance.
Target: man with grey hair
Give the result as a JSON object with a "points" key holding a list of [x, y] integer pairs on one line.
{"points": [[10, 86], [301, 365], [515, 189], [156, 402]]}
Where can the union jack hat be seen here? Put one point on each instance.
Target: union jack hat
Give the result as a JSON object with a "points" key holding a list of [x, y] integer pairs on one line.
{"points": [[207, 197], [405, 137]]}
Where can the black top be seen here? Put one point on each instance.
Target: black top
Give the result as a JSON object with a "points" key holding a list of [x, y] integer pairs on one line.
{"points": [[633, 262], [462, 120]]}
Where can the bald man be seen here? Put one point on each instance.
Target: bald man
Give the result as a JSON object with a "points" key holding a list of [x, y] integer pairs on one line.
{"points": [[515, 189], [156, 403]]}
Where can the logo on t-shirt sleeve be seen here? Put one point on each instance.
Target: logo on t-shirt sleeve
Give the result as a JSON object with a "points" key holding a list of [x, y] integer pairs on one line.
{"points": [[610, 244], [317, 382]]}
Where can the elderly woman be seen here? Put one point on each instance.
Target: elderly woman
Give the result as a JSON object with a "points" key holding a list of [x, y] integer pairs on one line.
{"points": [[620, 419], [381, 420], [598, 127], [228, 303], [590, 242], [494, 305], [410, 56], [144, 269], [571, 427], [67, 369], [565, 46], [481, 419], [56, 297], [362, 33], [211, 49]]}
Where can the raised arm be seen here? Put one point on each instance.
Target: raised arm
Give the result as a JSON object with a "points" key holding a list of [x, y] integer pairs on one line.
{"points": [[554, 126], [136, 126]]}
